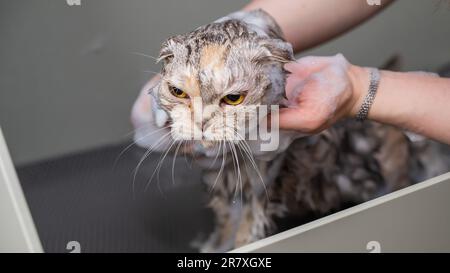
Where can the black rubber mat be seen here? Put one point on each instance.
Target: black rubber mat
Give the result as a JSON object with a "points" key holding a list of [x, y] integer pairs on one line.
{"points": [[85, 197]]}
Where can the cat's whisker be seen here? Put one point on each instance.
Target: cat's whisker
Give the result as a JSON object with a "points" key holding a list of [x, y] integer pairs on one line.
{"points": [[245, 163], [138, 128], [158, 166], [149, 151], [133, 131], [255, 167], [144, 55], [239, 172], [153, 72], [173, 161], [159, 160], [236, 168], [133, 183], [252, 161], [134, 143], [232, 157], [239, 181], [126, 135], [217, 154], [185, 152], [224, 159], [230, 144], [146, 154], [192, 159]]}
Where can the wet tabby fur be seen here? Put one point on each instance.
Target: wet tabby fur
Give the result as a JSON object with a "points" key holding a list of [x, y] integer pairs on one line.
{"points": [[307, 177]]}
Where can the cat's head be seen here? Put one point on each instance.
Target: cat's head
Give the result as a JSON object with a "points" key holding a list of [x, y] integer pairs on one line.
{"points": [[214, 74]]}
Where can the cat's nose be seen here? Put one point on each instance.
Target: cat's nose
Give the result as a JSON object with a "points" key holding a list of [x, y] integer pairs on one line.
{"points": [[207, 115], [203, 125]]}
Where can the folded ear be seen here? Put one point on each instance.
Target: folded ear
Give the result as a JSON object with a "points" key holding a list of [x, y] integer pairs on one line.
{"points": [[167, 49], [274, 50]]}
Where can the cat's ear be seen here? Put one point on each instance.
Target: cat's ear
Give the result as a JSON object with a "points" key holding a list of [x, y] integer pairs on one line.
{"points": [[274, 50], [167, 49]]}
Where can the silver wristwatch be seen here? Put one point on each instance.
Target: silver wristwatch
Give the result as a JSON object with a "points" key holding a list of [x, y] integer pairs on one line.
{"points": [[368, 100]]}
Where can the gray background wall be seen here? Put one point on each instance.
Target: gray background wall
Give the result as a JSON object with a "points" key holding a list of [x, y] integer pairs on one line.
{"points": [[68, 77]]}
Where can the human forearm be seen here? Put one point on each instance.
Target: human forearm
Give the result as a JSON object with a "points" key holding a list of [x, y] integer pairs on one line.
{"points": [[307, 23], [414, 101]]}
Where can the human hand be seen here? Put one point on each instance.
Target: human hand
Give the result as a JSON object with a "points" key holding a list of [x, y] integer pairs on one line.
{"points": [[320, 92], [148, 120]]}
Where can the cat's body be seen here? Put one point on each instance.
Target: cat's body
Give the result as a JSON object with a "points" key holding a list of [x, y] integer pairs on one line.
{"points": [[346, 165], [308, 176]]}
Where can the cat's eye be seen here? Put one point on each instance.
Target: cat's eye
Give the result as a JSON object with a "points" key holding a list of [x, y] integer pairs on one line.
{"points": [[233, 99], [177, 92]]}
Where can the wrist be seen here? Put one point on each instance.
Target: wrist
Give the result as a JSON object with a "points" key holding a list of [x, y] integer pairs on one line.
{"points": [[359, 84]]}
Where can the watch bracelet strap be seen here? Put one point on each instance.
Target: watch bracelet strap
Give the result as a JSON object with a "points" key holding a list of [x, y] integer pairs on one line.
{"points": [[370, 97]]}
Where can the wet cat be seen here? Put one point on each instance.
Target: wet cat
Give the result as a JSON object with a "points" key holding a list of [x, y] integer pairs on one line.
{"points": [[237, 61]]}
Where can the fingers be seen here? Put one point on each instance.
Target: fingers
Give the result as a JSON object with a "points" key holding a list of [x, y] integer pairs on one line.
{"points": [[307, 65], [293, 119], [160, 116], [294, 85], [290, 119], [151, 83], [146, 110], [301, 70], [316, 89]]}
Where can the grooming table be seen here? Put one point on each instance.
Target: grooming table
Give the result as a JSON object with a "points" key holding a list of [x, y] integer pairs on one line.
{"points": [[86, 197]]}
